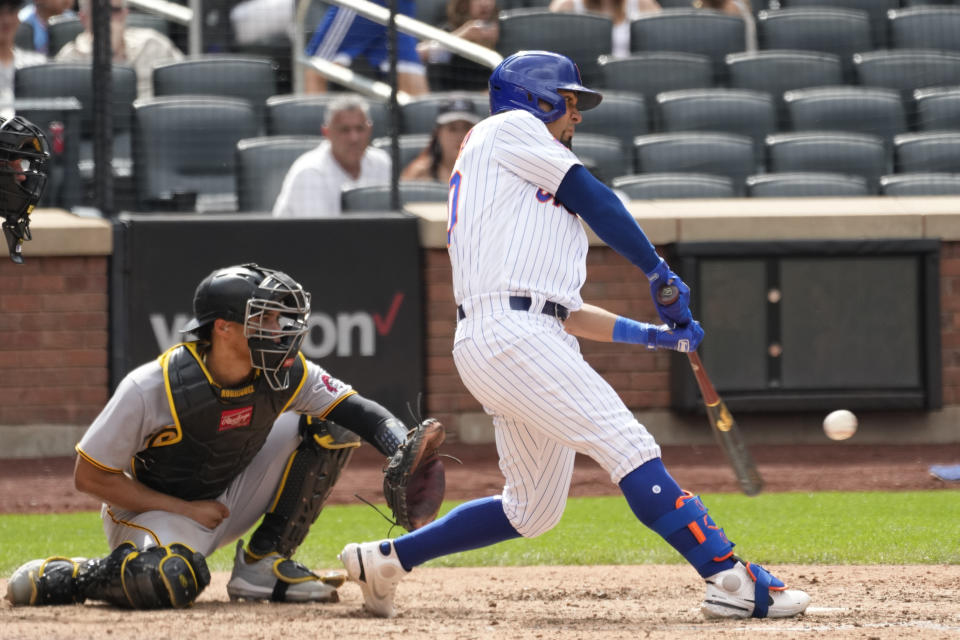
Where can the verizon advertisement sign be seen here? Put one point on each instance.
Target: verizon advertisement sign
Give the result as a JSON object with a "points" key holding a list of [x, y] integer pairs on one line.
{"points": [[363, 272]]}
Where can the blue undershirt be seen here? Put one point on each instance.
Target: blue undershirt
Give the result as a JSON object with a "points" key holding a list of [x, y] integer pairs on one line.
{"points": [[581, 193]]}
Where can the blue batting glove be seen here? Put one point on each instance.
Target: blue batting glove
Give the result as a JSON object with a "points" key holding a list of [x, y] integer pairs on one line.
{"points": [[678, 311], [683, 339]]}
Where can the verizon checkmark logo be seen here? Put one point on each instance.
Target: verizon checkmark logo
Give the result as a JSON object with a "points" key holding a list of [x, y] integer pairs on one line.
{"points": [[385, 323], [233, 418]]}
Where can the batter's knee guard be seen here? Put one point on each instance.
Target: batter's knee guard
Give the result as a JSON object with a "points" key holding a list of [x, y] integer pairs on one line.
{"points": [[312, 471], [711, 546]]}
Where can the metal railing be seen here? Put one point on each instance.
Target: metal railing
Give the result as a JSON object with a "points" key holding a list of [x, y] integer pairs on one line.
{"points": [[380, 15]]}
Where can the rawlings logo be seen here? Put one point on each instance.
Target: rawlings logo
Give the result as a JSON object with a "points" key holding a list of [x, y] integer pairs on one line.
{"points": [[328, 382], [233, 418]]}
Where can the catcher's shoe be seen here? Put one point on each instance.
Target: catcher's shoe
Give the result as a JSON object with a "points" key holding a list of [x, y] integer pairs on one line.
{"points": [[376, 568], [26, 588], [748, 590], [280, 579]]}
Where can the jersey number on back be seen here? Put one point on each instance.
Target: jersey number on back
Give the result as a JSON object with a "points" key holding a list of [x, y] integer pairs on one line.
{"points": [[453, 199]]}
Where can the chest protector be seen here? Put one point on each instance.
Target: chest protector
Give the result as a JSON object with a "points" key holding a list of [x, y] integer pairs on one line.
{"points": [[216, 431]]}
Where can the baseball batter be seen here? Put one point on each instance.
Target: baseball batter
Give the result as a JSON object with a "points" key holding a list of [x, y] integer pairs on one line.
{"points": [[517, 247], [193, 448]]}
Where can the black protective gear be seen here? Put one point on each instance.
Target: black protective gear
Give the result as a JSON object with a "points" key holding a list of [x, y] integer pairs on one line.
{"points": [[172, 575], [371, 421], [24, 165], [312, 471], [245, 294]]}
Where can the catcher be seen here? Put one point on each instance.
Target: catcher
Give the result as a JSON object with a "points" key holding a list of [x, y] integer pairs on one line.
{"points": [[193, 448]]}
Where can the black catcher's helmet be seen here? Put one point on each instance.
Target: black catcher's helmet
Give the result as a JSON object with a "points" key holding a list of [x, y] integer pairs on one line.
{"points": [[24, 165], [244, 294]]}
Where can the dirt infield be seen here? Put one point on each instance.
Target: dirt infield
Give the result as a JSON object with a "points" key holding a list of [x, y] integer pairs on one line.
{"points": [[548, 603]]}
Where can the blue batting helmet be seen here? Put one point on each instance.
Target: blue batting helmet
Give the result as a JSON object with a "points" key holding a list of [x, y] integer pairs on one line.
{"points": [[522, 80]]}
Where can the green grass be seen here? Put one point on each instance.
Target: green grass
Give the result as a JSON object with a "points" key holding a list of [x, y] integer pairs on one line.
{"points": [[797, 528]]}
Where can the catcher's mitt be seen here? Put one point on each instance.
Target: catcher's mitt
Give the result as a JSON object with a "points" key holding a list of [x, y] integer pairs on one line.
{"points": [[413, 480]]}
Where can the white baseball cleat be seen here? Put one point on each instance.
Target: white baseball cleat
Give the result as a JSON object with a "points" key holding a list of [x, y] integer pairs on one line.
{"points": [[734, 593], [25, 589], [279, 579], [377, 573]]}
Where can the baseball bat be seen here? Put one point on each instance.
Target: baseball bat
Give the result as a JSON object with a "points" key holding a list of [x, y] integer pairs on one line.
{"points": [[724, 427]]}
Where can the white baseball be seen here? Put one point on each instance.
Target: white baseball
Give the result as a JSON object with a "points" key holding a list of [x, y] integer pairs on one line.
{"points": [[840, 424]]}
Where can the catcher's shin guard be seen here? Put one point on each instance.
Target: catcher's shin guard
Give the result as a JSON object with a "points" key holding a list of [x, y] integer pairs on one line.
{"points": [[312, 471], [712, 544], [159, 577], [45, 582]]}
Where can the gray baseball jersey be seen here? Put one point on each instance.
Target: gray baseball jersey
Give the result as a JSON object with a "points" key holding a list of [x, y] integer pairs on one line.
{"points": [[140, 409]]}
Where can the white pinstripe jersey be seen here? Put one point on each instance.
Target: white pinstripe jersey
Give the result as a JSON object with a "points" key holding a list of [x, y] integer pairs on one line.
{"points": [[505, 232]]}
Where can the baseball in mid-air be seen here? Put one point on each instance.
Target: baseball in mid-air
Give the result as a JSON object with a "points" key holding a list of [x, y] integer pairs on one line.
{"points": [[840, 424]]}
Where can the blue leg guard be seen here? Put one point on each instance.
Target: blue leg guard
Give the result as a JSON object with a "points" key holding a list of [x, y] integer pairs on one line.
{"points": [[712, 546]]}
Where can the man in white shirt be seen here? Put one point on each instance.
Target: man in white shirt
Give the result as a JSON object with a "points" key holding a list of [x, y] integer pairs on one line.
{"points": [[138, 47], [312, 186]]}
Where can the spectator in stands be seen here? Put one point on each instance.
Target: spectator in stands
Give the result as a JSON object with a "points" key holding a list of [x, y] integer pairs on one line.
{"points": [[38, 13], [435, 162], [473, 20], [622, 12], [136, 46], [343, 36], [739, 8], [313, 184], [11, 57]]}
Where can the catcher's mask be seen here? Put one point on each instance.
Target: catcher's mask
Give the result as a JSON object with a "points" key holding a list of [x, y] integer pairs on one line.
{"points": [[272, 307], [24, 164]]}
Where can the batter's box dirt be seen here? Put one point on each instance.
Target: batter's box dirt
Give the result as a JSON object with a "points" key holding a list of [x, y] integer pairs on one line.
{"points": [[543, 603]]}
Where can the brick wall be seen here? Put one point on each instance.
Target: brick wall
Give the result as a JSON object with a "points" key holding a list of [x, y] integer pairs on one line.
{"points": [[53, 340], [53, 337]]}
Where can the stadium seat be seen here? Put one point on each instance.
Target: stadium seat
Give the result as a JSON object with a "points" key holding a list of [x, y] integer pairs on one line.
{"points": [[23, 39], [58, 79], [908, 69], [857, 154], [724, 154], [262, 164], [927, 152], [802, 184], [231, 76], [741, 111], [652, 72], [61, 30], [937, 108], [842, 32], [876, 11], [291, 115], [420, 114], [702, 31], [583, 37], [920, 184], [873, 110], [925, 28], [779, 71], [187, 144], [622, 115], [377, 198], [656, 186], [411, 144], [605, 156]]}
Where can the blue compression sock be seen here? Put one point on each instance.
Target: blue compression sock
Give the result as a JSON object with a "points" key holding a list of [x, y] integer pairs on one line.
{"points": [[652, 493], [474, 524]]}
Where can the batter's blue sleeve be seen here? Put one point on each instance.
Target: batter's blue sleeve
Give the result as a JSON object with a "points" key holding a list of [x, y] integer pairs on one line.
{"points": [[600, 208]]}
